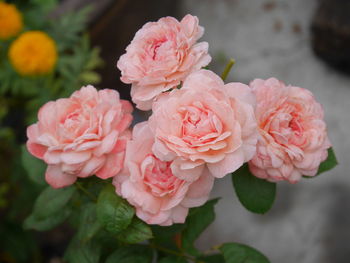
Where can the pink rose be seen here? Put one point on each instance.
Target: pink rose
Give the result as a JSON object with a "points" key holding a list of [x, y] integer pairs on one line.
{"points": [[161, 55], [150, 186], [205, 123], [293, 136], [82, 135]]}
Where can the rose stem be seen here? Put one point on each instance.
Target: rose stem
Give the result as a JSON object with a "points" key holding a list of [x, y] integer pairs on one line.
{"points": [[227, 69], [85, 191]]}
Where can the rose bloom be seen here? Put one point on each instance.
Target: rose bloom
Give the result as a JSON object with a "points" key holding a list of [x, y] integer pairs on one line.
{"points": [[293, 137], [161, 55], [82, 135], [205, 123], [150, 186]]}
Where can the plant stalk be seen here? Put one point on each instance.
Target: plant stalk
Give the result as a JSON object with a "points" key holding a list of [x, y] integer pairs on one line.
{"points": [[227, 69], [85, 191]]}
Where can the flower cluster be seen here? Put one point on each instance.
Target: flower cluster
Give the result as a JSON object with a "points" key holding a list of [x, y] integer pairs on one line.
{"points": [[31, 53], [200, 128]]}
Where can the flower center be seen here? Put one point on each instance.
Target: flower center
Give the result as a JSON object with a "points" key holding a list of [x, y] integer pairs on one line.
{"points": [[199, 125], [286, 125], [73, 125], [155, 48], [159, 177]]}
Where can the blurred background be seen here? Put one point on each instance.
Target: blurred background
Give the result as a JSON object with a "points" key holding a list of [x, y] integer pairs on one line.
{"points": [[302, 42]]}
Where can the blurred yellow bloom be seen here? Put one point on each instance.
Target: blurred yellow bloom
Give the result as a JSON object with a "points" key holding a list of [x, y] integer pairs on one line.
{"points": [[10, 20], [33, 53]]}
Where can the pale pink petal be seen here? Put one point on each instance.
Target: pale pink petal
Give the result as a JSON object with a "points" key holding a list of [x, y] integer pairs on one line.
{"points": [[112, 166], [53, 157], [188, 171], [199, 191], [107, 144], [92, 166], [75, 157], [35, 149], [56, 178], [179, 214], [229, 164]]}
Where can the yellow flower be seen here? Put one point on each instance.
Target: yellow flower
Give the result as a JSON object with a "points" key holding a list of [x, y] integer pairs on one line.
{"points": [[10, 20], [33, 53]]}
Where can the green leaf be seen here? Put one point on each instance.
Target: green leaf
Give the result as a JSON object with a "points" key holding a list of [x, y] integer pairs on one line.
{"points": [[255, 194], [46, 223], [113, 212], [50, 209], [66, 30], [51, 201], [95, 60], [34, 166], [131, 254], [168, 236], [90, 77], [46, 5], [173, 259], [88, 225], [164, 232], [198, 220], [216, 258], [329, 163], [165, 235], [136, 232], [82, 252], [238, 253]]}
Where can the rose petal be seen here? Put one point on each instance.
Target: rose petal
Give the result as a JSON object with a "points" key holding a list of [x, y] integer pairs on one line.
{"points": [[56, 178]]}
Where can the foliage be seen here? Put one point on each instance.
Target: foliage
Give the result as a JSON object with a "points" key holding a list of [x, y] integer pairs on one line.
{"points": [[238, 253], [21, 179], [255, 194]]}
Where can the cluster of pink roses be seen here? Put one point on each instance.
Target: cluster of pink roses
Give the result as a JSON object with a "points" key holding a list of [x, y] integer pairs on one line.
{"points": [[200, 127]]}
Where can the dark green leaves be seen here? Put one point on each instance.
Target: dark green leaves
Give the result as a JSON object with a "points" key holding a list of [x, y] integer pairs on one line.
{"points": [[197, 221], [113, 212], [34, 167], [46, 223], [329, 163], [136, 232], [82, 252], [256, 195], [173, 259], [131, 254], [50, 209], [238, 253], [180, 237], [51, 201], [168, 236], [88, 225], [215, 258]]}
